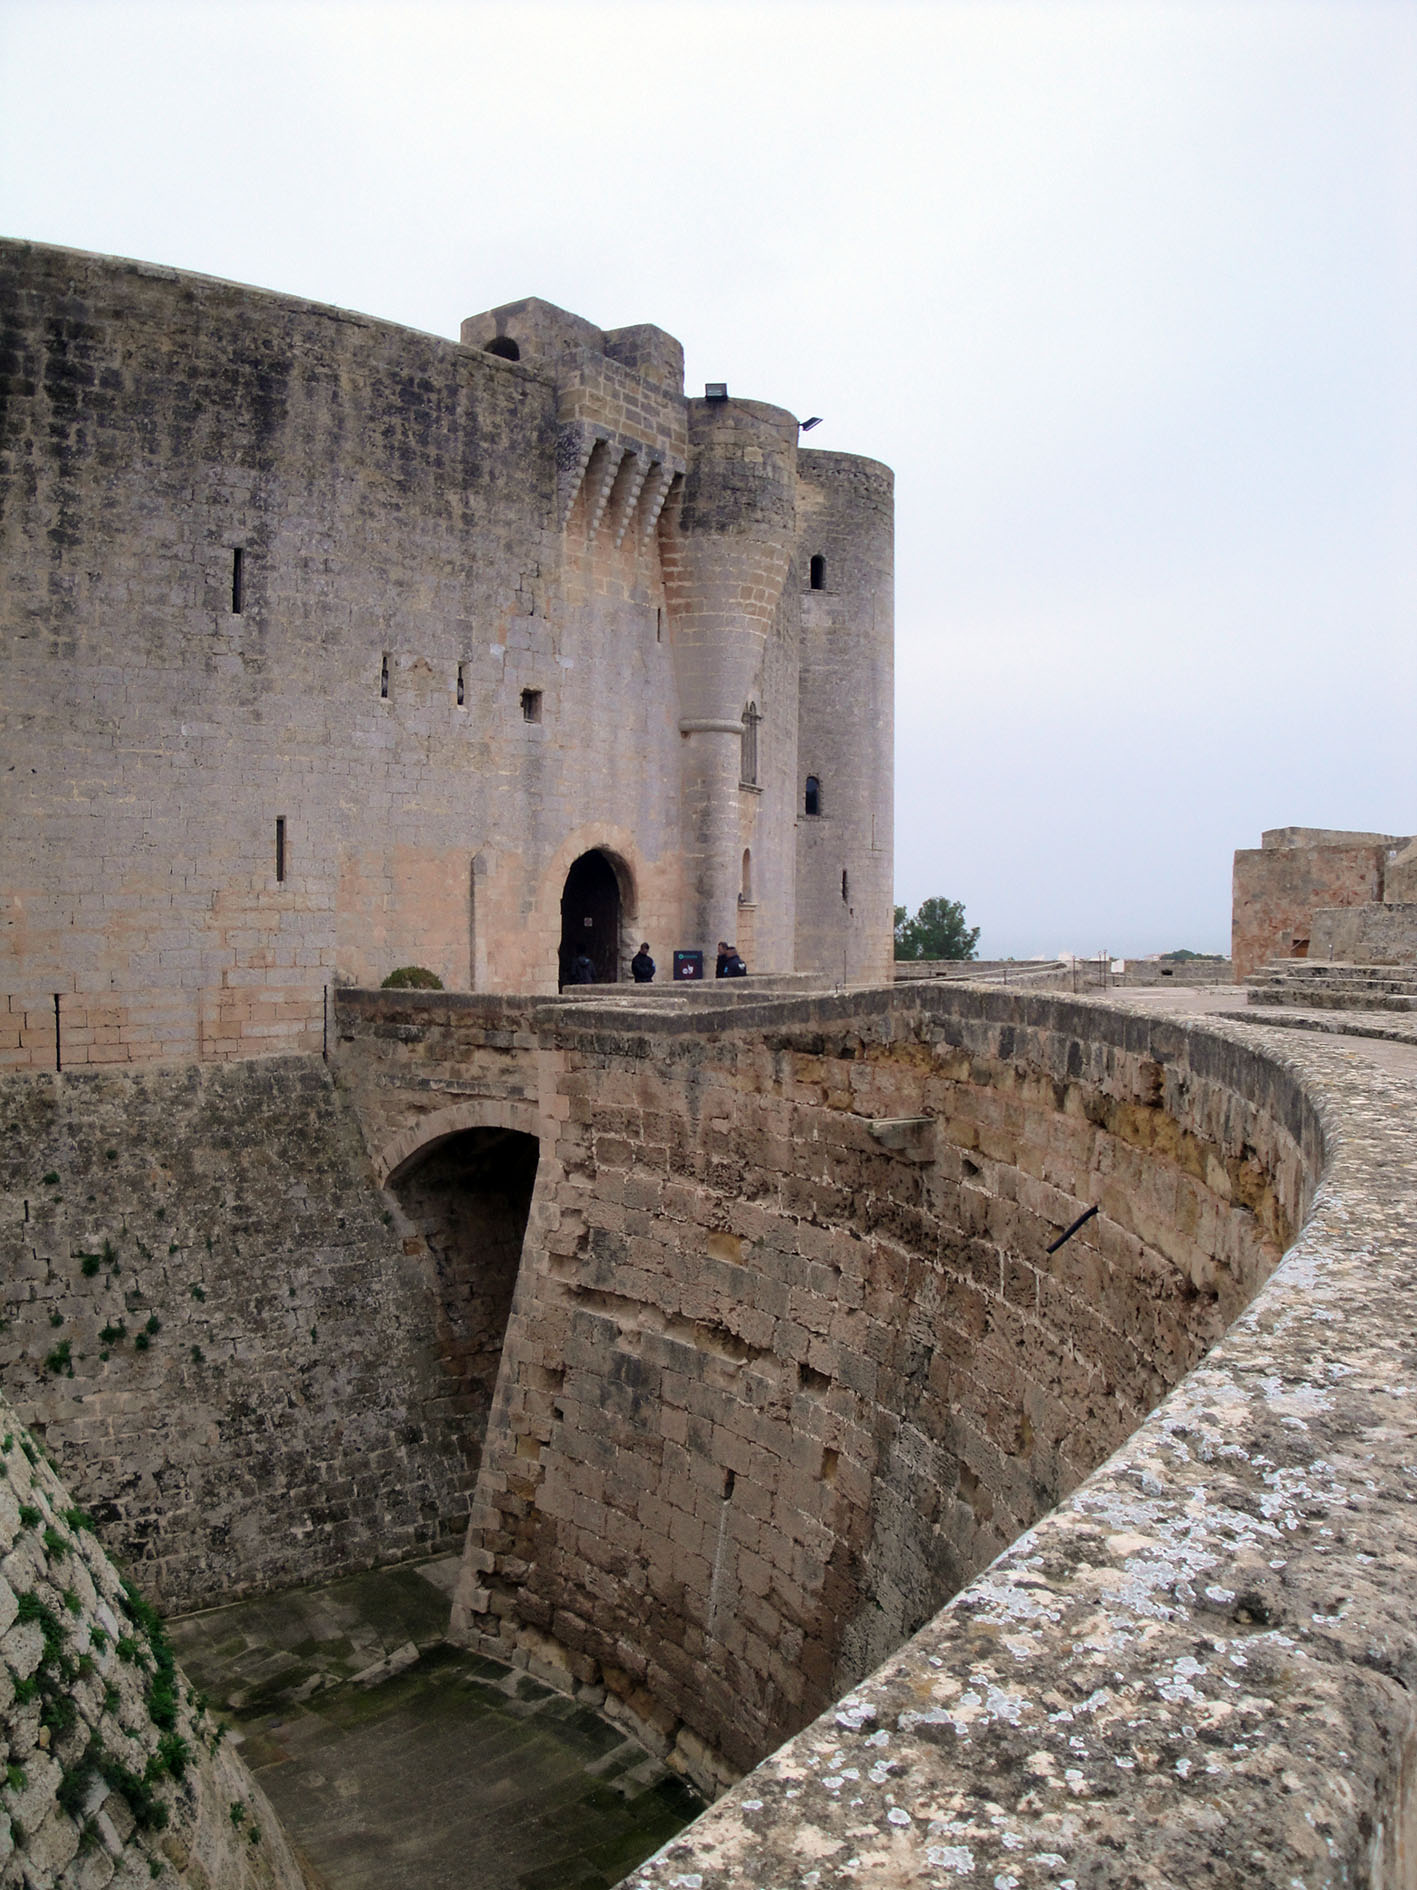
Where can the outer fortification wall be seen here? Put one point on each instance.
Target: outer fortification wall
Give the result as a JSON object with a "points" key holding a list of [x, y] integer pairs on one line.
{"points": [[1200, 1667]]}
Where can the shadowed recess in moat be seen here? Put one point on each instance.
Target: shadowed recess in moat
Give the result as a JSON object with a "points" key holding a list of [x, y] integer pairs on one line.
{"points": [[397, 1762]]}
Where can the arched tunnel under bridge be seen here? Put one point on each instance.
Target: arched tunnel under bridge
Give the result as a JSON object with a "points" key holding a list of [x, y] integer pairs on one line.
{"points": [[467, 1193]]}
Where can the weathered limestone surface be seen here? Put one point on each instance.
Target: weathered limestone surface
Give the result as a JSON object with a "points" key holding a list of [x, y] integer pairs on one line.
{"points": [[256, 1368], [113, 1775], [779, 1377], [1383, 934], [777, 1388]]}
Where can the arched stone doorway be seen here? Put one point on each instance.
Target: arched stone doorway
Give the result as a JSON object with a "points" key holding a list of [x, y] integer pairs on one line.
{"points": [[468, 1194], [590, 918]]}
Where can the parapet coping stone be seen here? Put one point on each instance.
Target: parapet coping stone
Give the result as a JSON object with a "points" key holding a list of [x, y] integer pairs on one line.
{"points": [[1389, 1026], [1201, 1666]]}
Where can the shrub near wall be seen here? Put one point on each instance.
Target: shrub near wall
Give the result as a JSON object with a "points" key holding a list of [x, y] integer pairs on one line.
{"points": [[794, 1364]]}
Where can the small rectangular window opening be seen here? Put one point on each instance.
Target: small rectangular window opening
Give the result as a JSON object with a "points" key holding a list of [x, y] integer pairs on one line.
{"points": [[659, 624], [280, 846], [531, 705], [462, 686], [845, 896], [238, 560], [384, 678], [818, 571]]}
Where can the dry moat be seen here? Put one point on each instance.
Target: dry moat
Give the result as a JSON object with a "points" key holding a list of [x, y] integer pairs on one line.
{"points": [[398, 1762], [984, 1421]]}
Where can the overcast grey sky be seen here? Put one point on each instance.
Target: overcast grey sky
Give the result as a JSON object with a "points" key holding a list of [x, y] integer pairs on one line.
{"points": [[1125, 292]]}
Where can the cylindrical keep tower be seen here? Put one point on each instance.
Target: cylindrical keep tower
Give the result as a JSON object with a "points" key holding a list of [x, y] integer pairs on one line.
{"points": [[845, 556], [726, 546]]}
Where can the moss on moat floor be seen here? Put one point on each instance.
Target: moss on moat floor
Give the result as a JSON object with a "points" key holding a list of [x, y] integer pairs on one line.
{"points": [[450, 1772]]}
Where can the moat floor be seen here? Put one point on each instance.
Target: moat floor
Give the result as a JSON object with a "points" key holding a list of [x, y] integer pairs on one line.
{"points": [[397, 1762]]}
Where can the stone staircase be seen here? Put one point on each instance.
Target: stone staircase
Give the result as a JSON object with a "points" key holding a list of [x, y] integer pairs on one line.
{"points": [[1307, 985]]}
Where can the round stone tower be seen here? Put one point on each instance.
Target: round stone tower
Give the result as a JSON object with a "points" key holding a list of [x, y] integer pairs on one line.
{"points": [[845, 551], [727, 547]]}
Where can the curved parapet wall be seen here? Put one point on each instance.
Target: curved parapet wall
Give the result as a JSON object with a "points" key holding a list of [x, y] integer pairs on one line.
{"points": [[795, 1362], [113, 1774], [1199, 1668]]}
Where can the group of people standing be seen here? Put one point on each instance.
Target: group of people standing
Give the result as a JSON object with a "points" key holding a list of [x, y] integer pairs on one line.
{"points": [[642, 966], [729, 965]]}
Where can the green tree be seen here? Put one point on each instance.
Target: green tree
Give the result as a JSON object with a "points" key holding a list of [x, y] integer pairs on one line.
{"points": [[938, 930]]}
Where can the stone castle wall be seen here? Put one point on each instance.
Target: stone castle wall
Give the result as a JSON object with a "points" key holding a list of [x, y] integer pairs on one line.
{"points": [[782, 1381], [330, 647], [1200, 1667]]}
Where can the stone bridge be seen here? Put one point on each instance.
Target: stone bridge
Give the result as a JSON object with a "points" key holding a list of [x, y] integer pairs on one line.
{"points": [[809, 1425]]}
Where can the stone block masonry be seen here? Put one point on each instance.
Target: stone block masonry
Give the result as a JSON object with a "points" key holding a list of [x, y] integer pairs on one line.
{"points": [[245, 1357], [788, 1361], [1200, 1667], [1281, 885]]}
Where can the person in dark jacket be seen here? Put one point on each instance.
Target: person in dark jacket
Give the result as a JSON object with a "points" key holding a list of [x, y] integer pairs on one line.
{"points": [[582, 969], [730, 965], [642, 966]]}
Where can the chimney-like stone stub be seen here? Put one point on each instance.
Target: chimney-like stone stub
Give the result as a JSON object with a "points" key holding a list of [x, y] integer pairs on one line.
{"points": [[543, 335], [540, 331], [651, 353]]}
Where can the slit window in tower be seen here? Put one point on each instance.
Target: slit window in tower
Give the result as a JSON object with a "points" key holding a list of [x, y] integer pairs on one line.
{"points": [[384, 678], [462, 686], [845, 895], [748, 761], [280, 847], [659, 624], [238, 575], [818, 571], [812, 799], [531, 705]]}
